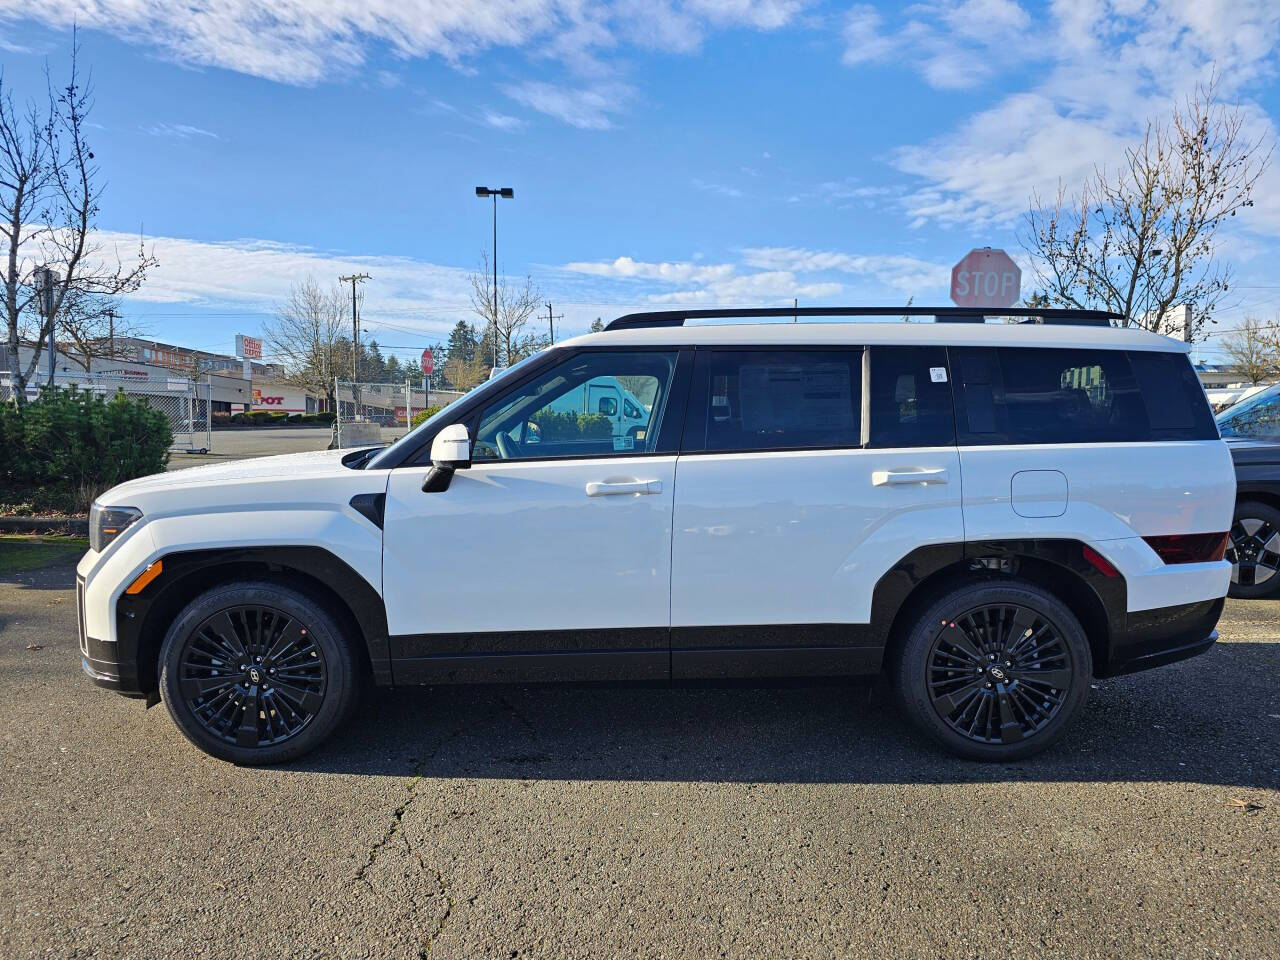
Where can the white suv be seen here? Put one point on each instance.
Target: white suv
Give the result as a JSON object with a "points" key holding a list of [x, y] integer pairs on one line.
{"points": [[993, 513]]}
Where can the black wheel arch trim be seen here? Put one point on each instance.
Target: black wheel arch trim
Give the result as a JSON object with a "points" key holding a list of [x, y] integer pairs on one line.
{"points": [[142, 619]]}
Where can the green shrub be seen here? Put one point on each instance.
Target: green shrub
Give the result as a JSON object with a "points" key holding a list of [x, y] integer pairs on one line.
{"points": [[72, 444], [571, 426], [424, 415]]}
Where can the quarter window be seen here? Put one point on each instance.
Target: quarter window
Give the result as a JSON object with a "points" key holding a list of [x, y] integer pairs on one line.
{"points": [[784, 399], [577, 409], [1030, 395]]}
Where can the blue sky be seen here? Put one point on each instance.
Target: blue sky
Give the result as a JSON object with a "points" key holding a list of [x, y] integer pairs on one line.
{"points": [[704, 151]]}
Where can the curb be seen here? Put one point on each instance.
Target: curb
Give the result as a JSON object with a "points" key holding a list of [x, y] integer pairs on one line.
{"points": [[67, 526]]}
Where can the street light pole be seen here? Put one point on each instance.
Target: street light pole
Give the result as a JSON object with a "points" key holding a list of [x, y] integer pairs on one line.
{"points": [[507, 193]]}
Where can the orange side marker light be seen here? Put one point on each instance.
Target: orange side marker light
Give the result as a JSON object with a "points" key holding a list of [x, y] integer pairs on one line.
{"points": [[146, 576]]}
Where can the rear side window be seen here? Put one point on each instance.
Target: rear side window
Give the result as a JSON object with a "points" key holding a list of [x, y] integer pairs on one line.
{"points": [[1021, 395], [784, 399], [910, 397]]}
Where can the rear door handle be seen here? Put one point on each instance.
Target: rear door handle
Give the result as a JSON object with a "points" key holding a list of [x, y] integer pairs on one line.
{"points": [[881, 477], [606, 488]]}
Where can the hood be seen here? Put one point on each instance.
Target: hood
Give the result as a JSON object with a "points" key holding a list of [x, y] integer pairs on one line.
{"points": [[290, 465]]}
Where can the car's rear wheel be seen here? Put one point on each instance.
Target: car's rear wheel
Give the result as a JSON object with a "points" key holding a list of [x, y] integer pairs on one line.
{"points": [[1254, 550], [994, 671], [256, 673]]}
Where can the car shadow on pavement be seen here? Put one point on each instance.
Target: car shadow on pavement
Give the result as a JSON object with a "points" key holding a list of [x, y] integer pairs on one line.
{"points": [[1214, 719]]}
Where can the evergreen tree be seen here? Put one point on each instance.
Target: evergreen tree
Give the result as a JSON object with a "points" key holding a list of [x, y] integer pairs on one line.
{"points": [[462, 342]]}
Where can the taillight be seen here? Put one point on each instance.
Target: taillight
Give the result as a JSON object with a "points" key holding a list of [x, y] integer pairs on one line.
{"points": [[1189, 547]]}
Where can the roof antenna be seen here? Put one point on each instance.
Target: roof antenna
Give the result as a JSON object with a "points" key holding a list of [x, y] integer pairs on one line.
{"points": [[795, 305]]}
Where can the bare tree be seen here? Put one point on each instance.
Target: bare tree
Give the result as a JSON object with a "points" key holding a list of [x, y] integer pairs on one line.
{"points": [[504, 333], [463, 373], [93, 325], [49, 200], [306, 336], [1140, 240], [1253, 350]]}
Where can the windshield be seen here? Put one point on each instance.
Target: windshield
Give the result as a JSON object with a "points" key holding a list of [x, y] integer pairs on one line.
{"points": [[411, 439], [1255, 416]]}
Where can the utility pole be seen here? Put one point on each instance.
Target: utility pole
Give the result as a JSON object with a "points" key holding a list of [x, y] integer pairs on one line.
{"points": [[353, 279], [551, 322], [111, 332]]}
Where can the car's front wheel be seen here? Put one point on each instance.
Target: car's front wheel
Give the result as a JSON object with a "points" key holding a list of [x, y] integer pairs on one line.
{"points": [[994, 671], [1254, 550], [256, 673]]}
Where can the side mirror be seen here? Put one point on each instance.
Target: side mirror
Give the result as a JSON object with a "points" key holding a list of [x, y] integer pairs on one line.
{"points": [[451, 448], [450, 451]]}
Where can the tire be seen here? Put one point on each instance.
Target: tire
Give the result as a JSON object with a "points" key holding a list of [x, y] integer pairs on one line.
{"points": [[992, 715], [1254, 551], [302, 677]]}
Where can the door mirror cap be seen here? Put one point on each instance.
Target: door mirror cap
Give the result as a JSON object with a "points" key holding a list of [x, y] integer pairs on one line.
{"points": [[451, 448]]}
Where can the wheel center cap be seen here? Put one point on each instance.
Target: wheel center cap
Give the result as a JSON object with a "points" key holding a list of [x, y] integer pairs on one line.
{"points": [[997, 673], [255, 675]]}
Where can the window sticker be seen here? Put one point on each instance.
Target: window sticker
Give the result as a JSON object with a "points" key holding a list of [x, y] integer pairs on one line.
{"points": [[624, 443], [938, 374]]}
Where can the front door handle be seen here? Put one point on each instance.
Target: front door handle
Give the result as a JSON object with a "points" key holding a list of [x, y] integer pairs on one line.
{"points": [[897, 477], [610, 488]]}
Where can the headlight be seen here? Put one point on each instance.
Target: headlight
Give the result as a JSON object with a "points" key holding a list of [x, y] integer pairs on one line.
{"points": [[107, 523]]}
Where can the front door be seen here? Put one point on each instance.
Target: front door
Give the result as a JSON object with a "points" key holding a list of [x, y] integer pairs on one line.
{"points": [[550, 557]]}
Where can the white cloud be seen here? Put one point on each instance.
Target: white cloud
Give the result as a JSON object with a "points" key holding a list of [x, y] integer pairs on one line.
{"points": [[627, 269], [588, 108], [501, 121], [305, 41], [910, 275], [1103, 67], [255, 275], [699, 283], [722, 189], [178, 131], [954, 43]]}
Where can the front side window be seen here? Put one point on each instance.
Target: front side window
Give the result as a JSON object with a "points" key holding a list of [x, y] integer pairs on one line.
{"points": [[784, 399], [579, 409]]}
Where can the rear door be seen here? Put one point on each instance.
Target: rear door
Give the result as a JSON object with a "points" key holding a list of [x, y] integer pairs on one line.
{"points": [[795, 493]]}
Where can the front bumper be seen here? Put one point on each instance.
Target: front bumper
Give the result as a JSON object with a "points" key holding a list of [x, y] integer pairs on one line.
{"points": [[100, 659]]}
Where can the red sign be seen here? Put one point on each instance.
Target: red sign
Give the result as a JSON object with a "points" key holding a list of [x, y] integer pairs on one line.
{"points": [[986, 278], [428, 361]]}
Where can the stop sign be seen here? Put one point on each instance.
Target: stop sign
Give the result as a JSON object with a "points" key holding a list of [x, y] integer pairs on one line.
{"points": [[986, 278], [428, 361]]}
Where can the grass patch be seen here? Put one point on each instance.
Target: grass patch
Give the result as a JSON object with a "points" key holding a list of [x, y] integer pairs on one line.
{"points": [[18, 554]]}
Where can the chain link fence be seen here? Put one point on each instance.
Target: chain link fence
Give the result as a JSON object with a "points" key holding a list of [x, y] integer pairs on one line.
{"points": [[184, 402], [372, 413]]}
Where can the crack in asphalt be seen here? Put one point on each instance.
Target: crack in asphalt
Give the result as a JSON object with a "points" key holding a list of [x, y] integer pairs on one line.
{"points": [[424, 951], [419, 777]]}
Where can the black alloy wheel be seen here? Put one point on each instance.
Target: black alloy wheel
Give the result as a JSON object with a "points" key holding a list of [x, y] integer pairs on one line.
{"points": [[999, 673], [1253, 548], [252, 676], [257, 672], [994, 669]]}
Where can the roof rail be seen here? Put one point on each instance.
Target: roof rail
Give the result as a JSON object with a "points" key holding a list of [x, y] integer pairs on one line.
{"points": [[677, 318]]}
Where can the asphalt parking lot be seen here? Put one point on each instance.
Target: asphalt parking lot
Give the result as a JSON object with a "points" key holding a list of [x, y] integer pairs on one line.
{"points": [[535, 822]]}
